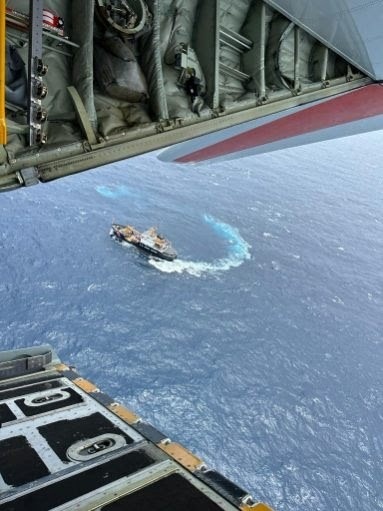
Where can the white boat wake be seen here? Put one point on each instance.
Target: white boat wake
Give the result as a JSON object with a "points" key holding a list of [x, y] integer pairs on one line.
{"points": [[238, 252]]}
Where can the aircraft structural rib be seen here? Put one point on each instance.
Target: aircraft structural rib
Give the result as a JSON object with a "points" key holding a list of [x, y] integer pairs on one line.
{"points": [[352, 28]]}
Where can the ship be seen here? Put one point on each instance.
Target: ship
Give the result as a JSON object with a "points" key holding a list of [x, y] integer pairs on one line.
{"points": [[150, 241], [65, 445]]}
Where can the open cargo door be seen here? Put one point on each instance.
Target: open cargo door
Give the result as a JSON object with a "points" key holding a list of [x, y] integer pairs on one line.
{"points": [[92, 82]]}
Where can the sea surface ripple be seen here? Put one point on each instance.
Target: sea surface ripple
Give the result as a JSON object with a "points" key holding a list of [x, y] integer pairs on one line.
{"points": [[261, 348]]}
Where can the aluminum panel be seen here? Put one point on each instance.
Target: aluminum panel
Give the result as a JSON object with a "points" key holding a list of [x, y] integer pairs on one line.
{"points": [[352, 28]]}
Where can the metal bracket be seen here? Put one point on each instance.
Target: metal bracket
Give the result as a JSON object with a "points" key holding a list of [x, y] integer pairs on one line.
{"points": [[238, 43], [37, 90], [23, 364], [28, 176]]}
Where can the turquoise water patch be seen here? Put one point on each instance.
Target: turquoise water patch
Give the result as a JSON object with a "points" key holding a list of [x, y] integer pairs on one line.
{"points": [[113, 192]]}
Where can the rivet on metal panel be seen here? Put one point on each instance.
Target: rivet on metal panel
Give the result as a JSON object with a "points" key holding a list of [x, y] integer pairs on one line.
{"points": [[85, 385], [182, 455], [124, 414]]}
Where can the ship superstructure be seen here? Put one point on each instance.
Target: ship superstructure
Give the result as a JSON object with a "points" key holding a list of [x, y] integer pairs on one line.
{"points": [[150, 241]]}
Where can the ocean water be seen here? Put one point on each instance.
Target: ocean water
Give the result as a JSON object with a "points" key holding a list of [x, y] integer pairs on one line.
{"points": [[260, 348]]}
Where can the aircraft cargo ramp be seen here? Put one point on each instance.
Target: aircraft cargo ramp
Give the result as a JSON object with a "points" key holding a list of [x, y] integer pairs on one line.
{"points": [[65, 445]]}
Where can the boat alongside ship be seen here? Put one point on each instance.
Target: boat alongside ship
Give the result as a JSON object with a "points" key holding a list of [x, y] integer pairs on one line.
{"points": [[65, 445], [150, 241]]}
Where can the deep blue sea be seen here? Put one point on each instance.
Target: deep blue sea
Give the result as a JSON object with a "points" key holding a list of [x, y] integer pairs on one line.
{"points": [[261, 348]]}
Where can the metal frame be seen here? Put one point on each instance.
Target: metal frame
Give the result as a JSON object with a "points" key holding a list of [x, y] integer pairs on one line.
{"points": [[36, 88], [3, 124]]}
